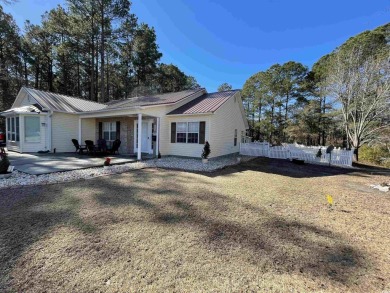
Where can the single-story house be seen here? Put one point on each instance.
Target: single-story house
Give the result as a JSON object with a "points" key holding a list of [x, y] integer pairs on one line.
{"points": [[173, 124]]}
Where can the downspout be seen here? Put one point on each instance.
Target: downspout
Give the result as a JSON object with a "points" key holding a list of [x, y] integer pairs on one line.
{"points": [[49, 130]]}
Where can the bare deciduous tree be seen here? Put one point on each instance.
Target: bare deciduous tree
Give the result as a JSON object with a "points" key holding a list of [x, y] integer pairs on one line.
{"points": [[361, 85]]}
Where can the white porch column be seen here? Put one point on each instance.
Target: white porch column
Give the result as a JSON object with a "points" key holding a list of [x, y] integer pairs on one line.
{"points": [[157, 136], [80, 132], [139, 136]]}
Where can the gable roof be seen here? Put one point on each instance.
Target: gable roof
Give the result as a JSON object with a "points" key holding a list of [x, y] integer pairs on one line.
{"points": [[159, 99], [62, 103], [207, 103]]}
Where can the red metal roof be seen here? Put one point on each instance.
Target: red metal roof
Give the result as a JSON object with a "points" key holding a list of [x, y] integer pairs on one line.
{"points": [[207, 103]]}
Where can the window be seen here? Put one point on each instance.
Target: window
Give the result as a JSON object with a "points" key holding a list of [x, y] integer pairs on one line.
{"points": [[13, 133], [242, 137], [187, 132], [193, 132], [109, 131], [8, 128], [235, 137], [181, 132], [32, 129], [17, 128], [13, 129]]}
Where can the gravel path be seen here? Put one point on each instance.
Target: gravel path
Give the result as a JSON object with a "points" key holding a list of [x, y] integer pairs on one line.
{"points": [[22, 179]]}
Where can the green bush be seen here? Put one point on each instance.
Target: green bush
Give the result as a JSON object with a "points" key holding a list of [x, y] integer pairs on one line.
{"points": [[4, 164], [375, 154]]}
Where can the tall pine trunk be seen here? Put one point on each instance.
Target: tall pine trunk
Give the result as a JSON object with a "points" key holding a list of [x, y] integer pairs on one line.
{"points": [[102, 91], [92, 73]]}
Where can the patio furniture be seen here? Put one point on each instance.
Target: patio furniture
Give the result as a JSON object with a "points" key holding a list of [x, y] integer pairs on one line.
{"points": [[115, 146], [91, 148], [102, 145], [79, 148]]}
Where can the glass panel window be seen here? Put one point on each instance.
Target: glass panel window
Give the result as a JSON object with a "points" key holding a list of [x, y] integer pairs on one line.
{"points": [[8, 128], [181, 137], [109, 131], [13, 134], [193, 137], [17, 128], [32, 129], [181, 132], [181, 127], [193, 132], [235, 137], [187, 132]]}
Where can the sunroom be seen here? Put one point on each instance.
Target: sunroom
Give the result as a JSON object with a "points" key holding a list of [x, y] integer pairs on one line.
{"points": [[26, 129]]}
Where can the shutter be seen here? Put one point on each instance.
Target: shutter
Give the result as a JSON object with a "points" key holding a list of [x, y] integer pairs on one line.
{"points": [[118, 130], [100, 130], [173, 132], [202, 132]]}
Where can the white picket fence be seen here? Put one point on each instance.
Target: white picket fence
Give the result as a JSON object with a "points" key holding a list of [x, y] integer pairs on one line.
{"points": [[290, 151]]}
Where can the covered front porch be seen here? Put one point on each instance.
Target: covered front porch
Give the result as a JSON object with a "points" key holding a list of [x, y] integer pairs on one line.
{"points": [[136, 138]]}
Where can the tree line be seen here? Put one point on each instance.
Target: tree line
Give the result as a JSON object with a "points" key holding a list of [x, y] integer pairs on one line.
{"points": [[344, 99], [93, 49]]}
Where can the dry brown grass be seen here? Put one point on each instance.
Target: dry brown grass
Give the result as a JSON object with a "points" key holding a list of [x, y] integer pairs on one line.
{"points": [[261, 226]]}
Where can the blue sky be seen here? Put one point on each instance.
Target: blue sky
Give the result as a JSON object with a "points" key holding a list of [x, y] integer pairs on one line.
{"points": [[220, 41]]}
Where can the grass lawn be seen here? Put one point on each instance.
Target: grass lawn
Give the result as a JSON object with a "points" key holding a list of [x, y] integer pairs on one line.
{"points": [[261, 226]]}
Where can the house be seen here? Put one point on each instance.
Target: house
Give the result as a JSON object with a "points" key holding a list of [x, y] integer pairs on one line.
{"points": [[172, 124]]}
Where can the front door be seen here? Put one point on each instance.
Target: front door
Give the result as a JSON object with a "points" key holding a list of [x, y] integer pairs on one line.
{"points": [[146, 137]]}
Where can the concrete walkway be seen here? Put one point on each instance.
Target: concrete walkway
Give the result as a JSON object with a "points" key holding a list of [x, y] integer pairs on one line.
{"points": [[37, 164]]}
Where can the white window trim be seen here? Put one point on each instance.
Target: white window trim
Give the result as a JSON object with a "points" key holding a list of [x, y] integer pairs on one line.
{"points": [[10, 132], [110, 131], [187, 132]]}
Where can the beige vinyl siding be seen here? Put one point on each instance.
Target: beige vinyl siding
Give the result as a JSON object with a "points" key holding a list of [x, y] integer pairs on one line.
{"points": [[33, 147], [165, 145], [184, 149], [223, 123], [64, 128], [88, 130], [164, 140]]}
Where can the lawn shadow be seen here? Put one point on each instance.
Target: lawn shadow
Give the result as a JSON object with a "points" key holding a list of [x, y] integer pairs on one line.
{"points": [[270, 241], [26, 216], [286, 168], [223, 224]]}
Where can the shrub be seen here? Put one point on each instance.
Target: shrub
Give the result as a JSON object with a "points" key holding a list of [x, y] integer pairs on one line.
{"points": [[376, 154], [206, 150], [4, 164]]}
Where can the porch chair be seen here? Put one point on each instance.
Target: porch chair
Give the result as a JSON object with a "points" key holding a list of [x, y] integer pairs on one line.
{"points": [[91, 148], [102, 145], [79, 148], [115, 146]]}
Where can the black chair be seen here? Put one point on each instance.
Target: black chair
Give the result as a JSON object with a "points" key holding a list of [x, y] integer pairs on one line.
{"points": [[115, 146], [102, 145], [79, 148], [91, 148]]}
